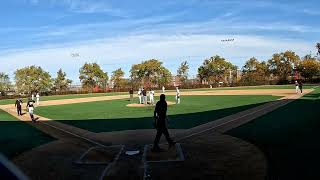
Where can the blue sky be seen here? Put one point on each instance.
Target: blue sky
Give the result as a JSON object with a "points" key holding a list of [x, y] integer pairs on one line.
{"points": [[117, 34]]}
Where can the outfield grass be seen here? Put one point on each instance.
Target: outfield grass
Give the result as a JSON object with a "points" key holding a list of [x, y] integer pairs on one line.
{"points": [[17, 137], [289, 136], [104, 116]]}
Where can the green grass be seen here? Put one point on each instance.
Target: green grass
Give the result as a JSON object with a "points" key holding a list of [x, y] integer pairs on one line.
{"points": [[6, 116], [74, 96], [17, 137], [289, 136], [107, 116]]}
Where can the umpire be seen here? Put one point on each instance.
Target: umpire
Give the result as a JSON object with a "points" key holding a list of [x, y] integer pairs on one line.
{"points": [[18, 105], [160, 118]]}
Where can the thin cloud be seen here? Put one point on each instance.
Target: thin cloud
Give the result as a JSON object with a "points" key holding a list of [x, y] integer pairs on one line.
{"points": [[133, 49]]}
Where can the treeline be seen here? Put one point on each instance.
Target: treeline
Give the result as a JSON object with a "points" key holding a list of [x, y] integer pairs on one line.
{"points": [[281, 68]]}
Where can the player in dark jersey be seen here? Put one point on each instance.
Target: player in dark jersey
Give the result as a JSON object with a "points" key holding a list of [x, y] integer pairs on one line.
{"points": [[160, 117], [18, 105]]}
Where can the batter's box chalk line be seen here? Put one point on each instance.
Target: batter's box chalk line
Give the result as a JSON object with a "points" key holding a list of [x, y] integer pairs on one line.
{"points": [[117, 151], [179, 151], [147, 164]]}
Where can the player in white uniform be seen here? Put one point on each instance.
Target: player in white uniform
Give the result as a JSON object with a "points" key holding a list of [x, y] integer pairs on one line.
{"points": [[163, 89], [177, 96], [38, 99], [151, 96], [140, 96], [32, 97], [30, 108], [297, 86]]}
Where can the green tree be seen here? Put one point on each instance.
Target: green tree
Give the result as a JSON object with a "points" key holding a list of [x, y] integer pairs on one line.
{"points": [[91, 75], [61, 83], [150, 73], [216, 69], [5, 83], [282, 64], [254, 72], [118, 78], [182, 72], [32, 79], [309, 67]]}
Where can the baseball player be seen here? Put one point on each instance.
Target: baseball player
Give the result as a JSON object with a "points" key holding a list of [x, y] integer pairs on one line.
{"points": [[177, 96], [38, 99], [30, 107], [144, 93], [18, 105], [32, 97], [297, 86], [140, 96], [151, 96], [163, 89], [131, 94], [300, 86]]}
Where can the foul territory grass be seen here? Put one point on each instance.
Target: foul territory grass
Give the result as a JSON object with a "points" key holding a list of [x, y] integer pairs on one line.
{"points": [[289, 136], [17, 137], [114, 115]]}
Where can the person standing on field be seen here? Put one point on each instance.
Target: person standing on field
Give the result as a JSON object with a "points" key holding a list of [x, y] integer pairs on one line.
{"points": [[160, 123], [297, 86], [139, 95], [18, 105], [38, 99], [300, 86], [177, 95], [131, 95], [151, 96], [32, 96], [30, 107], [144, 93], [163, 89]]}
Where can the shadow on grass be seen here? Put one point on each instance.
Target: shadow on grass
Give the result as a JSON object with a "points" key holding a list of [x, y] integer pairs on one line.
{"points": [[179, 121], [289, 137], [17, 137]]}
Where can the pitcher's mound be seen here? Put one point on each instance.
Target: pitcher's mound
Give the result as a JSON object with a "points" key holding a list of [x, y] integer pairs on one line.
{"points": [[148, 105]]}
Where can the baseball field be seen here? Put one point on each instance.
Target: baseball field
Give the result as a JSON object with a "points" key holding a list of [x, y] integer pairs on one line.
{"points": [[241, 130]]}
